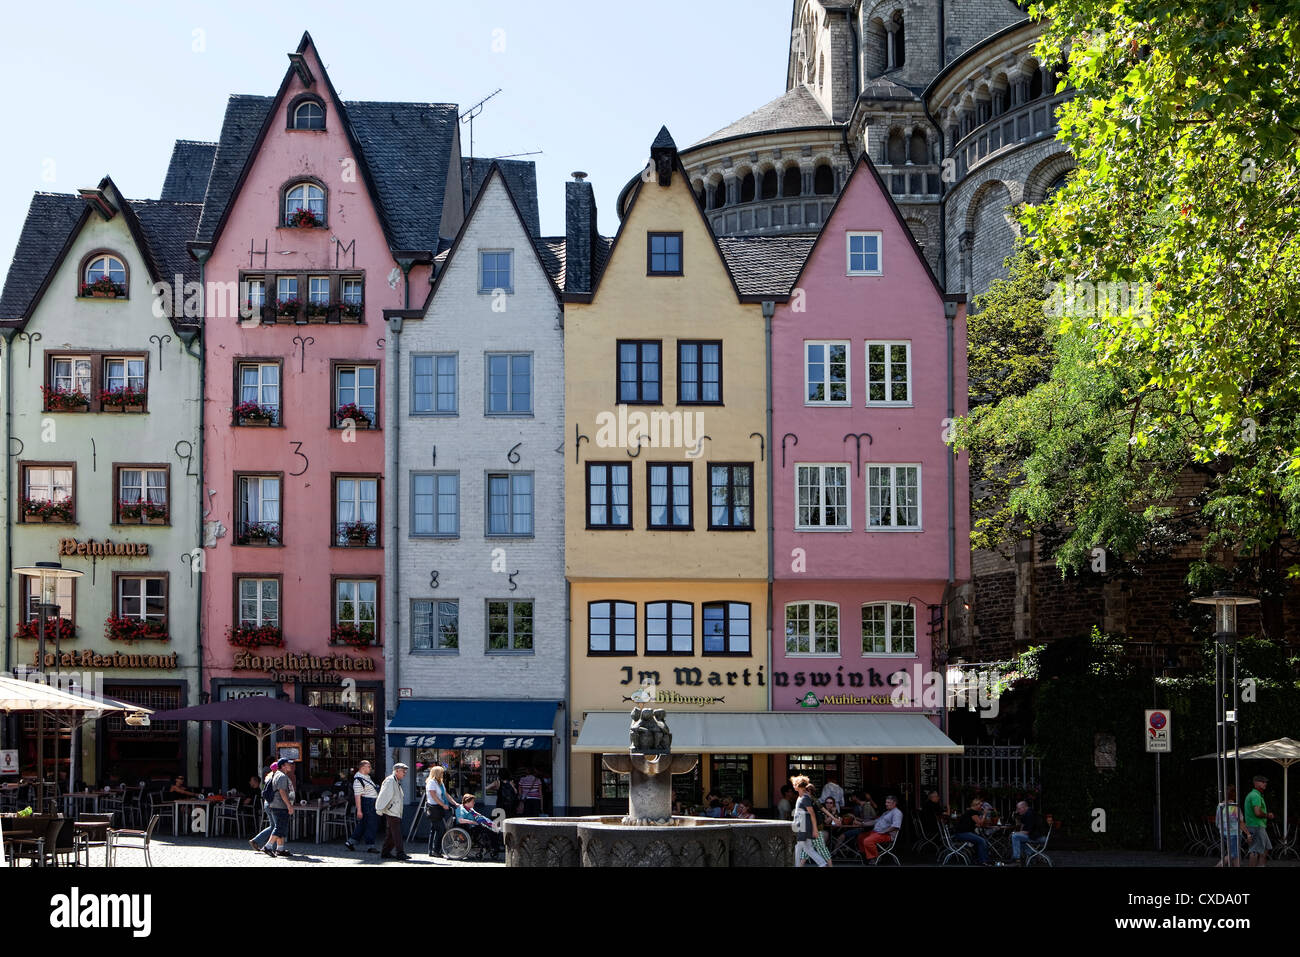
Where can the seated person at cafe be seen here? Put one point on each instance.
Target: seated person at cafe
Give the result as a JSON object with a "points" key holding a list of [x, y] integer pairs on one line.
{"points": [[966, 829], [178, 791], [250, 790], [743, 811], [785, 807], [1029, 829], [480, 827], [863, 807], [830, 813], [884, 831], [728, 806], [931, 813]]}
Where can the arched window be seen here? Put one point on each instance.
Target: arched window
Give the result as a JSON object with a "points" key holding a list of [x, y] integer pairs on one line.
{"points": [[747, 188], [920, 149], [769, 184], [897, 153], [105, 275], [900, 47], [1036, 83], [304, 205], [719, 195], [700, 195], [308, 115], [824, 180], [793, 182]]}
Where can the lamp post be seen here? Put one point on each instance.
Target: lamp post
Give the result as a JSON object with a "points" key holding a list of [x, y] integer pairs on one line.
{"points": [[1225, 708], [49, 575]]}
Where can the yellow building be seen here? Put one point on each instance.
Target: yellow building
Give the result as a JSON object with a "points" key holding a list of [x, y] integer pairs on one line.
{"points": [[666, 489]]}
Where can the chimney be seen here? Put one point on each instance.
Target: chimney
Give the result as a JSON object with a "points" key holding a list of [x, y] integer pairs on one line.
{"points": [[663, 154], [579, 234]]}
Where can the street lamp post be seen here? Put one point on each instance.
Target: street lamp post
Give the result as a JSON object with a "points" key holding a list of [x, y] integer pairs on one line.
{"points": [[49, 575], [1225, 698]]}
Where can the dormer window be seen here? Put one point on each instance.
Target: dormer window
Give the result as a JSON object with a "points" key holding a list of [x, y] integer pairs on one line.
{"points": [[304, 205], [308, 115], [104, 277]]}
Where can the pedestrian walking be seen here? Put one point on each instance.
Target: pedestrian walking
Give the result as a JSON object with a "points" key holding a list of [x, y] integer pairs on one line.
{"points": [[389, 806], [1228, 817], [281, 810], [807, 838], [438, 805], [258, 841], [364, 794], [1257, 817]]}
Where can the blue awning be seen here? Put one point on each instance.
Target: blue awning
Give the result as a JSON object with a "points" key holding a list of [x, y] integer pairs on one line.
{"points": [[508, 725]]}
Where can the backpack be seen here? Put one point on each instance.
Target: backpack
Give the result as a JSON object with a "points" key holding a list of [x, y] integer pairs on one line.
{"points": [[799, 823], [268, 788], [507, 797]]}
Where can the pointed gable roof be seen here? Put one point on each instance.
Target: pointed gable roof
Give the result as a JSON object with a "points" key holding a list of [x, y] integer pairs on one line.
{"points": [[741, 259], [159, 229], [403, 151], [864, 167], [545, 261], [520, 174]]}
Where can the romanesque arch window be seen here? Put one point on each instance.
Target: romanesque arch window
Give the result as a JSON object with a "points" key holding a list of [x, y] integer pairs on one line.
{"points": [[304, 204], [900, 47], [306, 112], [700, 194], [747, 188], [769, 185], [719, 195], [1036, 83], [824, 180], [896, 151], [793, 182], [919, 149]]}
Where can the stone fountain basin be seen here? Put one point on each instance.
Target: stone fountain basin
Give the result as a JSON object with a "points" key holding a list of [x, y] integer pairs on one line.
{"points": [[605, 841]]}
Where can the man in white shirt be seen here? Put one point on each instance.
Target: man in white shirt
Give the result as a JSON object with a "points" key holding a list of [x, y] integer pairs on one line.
{"points": [[884, 831], [831, 789], [364, 794]]}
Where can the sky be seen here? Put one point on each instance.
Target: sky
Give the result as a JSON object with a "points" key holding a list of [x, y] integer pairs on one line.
{"points": [[97, 90]]}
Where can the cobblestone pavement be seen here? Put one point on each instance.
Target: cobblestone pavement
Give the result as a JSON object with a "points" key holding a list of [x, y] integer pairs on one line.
{"points": [[166, 851]]}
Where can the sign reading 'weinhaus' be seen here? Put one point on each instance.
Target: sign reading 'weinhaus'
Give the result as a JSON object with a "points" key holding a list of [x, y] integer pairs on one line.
{"points": [[104, 549]]}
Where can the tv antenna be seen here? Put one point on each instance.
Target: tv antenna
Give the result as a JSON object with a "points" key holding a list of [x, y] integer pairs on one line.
{"points": [[473, 111]]}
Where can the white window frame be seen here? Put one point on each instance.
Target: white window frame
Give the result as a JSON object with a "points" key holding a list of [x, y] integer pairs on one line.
{"points": [[848, 254], [281, 288], [826, 383], [111, 266], [354, 586], [55, 491], [260, 482], [812, 605], [261, 386], [261, 620], [72, 377], [889, 380], [437, 496], [890, 607], [256, 289], [127, 378], [821, 484], [318, 290], [142, 595], [290, 207], [356, 388], [483, 288], [357, 502], [297, 115], [893, 497]]}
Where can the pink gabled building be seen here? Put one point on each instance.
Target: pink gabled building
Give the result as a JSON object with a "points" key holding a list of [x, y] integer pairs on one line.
{"points": [[325, 214], [871, 510]]}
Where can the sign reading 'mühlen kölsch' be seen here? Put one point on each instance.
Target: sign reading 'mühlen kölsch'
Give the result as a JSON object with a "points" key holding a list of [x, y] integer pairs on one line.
{"points": [[104, 549]]}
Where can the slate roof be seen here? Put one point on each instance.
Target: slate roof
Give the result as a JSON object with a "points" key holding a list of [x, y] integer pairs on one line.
{"points": [[188, 172], [765, 265], [553, 251], [883, 88], [51, 219], [793, 110], [521, 175], [406, 146], [49, 222]]}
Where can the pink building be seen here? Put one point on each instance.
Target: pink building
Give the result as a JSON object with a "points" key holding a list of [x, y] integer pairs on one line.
{"points": [[871, 516], [325, 213]]}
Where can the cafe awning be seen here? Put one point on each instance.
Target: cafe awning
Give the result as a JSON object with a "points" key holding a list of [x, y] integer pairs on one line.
{"points": [[517, 725], [875, 732]]}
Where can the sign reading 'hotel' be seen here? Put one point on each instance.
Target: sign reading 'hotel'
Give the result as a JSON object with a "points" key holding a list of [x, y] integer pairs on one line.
{"points": [[104, 549]]}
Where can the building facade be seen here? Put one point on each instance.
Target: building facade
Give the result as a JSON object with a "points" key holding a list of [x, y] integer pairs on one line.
{"points": [[101, 376], [308, 234], [871, 513], [475, 570]]}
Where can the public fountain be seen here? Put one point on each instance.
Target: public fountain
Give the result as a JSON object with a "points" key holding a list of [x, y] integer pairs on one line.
{"points": [[649, 835]]}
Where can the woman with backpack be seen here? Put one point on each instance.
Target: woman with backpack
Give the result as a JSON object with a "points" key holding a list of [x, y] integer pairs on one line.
{"points": [[807, 837]]}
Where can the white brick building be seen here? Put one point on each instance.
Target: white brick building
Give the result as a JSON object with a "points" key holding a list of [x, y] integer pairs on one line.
{"points": [[474, 577]]}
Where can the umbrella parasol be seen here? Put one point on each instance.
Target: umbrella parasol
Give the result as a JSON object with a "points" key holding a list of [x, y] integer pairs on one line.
{"points": [[1285, 751], [259, 716]]}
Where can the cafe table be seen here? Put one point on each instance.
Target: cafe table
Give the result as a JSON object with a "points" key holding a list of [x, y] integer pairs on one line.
{"points": [[74, 802], [314, 809], [96, 830], [187, 804]]}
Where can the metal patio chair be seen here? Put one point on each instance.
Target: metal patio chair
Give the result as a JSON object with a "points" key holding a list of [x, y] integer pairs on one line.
{"points": [[1036, 850], [131, 839], [953, 848]]}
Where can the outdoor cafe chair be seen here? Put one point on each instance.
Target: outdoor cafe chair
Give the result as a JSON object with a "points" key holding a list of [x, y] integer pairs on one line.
{"points": [[91, 838], [953, 848], [886, 850], [131, 839], [1283, 844], [1036, 850], [39, 847], [845, 847], [924, 838], [228, 811]]}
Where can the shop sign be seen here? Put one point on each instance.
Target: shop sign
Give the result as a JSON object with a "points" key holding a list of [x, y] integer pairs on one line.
{"points": [[8, 761], [93, 659], [456, 742], [316, 669], [693, 677], [810, 700], [230, 693], [104, 549]]}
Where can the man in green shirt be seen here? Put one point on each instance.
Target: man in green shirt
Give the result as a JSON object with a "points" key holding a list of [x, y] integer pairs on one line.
{"points": [[1256, 817]]}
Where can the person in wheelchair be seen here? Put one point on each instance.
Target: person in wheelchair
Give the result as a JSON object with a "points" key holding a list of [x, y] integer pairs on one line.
{"points": [[481, 828]]}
